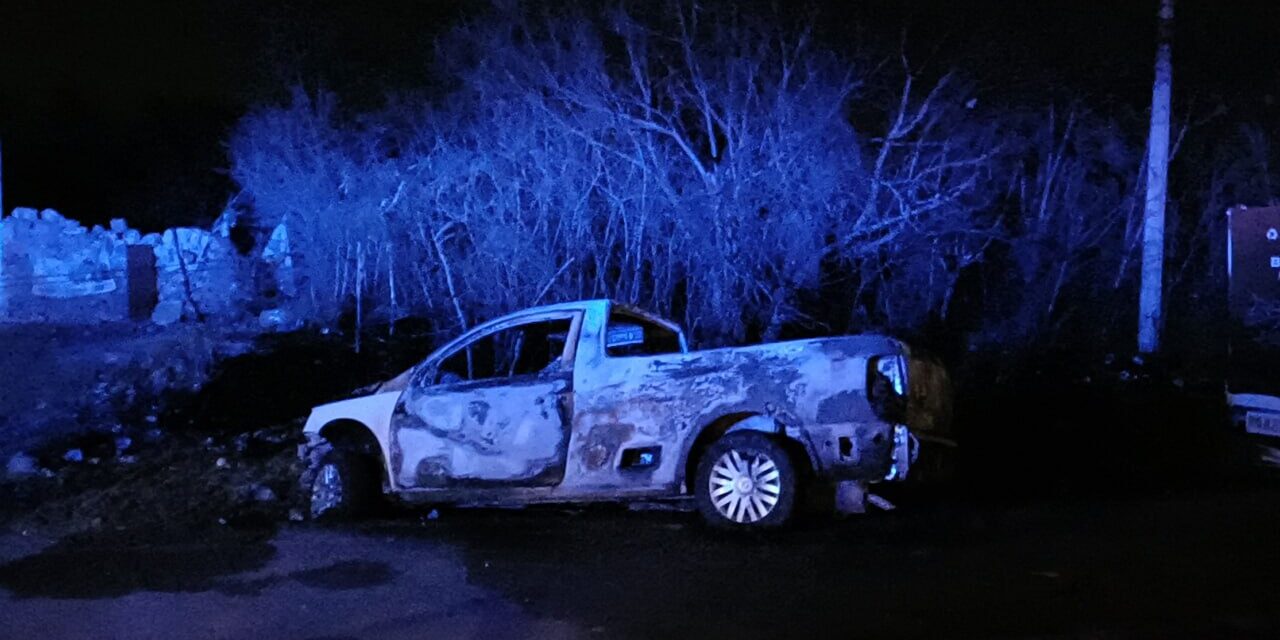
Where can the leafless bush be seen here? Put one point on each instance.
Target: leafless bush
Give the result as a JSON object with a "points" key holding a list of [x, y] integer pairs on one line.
{"points": [[703, 163]]}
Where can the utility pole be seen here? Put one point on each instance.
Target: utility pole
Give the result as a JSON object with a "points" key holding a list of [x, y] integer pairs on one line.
{"points": [[1150, 303]]}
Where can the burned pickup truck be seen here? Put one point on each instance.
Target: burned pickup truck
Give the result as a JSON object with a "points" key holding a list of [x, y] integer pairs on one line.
{"points": [[596, 401]]}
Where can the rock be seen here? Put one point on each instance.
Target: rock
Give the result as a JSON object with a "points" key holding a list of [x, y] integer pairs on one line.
{"points": [[224, 223], [269, 437], [49, 215], [277, 248], [21, 465], [25, 213], [127, 459], [73, 455], [132, 237], [167, 312], [851, 497], [263, 493], [241, 443], [119, 226], [159, 380], [434, 515], [221, 463], [295, 515], [277, 320], [123, 443]]}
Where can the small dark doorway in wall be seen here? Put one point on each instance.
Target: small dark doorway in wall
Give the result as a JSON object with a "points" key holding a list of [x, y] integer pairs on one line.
{"points": [[141, 281]]}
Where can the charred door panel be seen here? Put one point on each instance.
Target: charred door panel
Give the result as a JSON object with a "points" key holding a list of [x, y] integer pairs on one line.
{"points": [[494, 410], [507, 432]]}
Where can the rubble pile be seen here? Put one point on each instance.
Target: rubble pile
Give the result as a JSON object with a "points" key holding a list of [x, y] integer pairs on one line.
{"points": [[119, 479]]}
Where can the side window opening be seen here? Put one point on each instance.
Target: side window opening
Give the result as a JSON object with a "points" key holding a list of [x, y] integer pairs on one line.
{"points": [[527, 349], [631, 335]]}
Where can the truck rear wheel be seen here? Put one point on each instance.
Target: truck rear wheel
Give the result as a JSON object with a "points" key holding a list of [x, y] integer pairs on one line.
{"points": [[745, 481]]}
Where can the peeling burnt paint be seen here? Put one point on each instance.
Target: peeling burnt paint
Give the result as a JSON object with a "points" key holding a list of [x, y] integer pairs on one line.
{"points": [[602, 444], [478, 411], [480, 434], [839, 406]]}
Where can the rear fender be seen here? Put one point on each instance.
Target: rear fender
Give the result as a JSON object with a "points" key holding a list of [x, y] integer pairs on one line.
{"points": [[792, 439]]}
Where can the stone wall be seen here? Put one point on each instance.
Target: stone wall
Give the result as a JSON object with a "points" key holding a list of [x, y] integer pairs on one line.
{"points": [[56, 270]]}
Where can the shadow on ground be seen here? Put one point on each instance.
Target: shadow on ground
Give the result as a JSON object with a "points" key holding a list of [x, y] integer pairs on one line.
{"points": [[105, 565]]}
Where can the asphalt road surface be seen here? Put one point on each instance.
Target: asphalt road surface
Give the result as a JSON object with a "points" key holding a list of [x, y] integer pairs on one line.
{"points": [[1196, 564]]}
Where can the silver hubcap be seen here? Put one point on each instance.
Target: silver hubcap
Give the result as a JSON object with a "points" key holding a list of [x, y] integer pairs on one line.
{"points": [[326, 491], [745, 488]]}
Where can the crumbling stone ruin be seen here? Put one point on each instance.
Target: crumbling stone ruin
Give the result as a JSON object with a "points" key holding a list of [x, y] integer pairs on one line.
{"points": [[56, 270]]}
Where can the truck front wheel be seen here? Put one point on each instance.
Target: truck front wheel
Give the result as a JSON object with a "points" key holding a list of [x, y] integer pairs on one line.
{"points": [[345, 486], [746, 481]]}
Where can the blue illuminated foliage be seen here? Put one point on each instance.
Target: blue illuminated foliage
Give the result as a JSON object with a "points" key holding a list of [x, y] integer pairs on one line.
{"points": [[713, 164]]}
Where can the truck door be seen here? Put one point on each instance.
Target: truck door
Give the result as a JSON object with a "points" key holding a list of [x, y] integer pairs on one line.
{"points": [[494, 412]]}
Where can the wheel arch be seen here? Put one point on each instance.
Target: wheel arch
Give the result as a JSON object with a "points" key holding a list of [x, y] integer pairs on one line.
{"points": [[741, 421], [352, 435]]}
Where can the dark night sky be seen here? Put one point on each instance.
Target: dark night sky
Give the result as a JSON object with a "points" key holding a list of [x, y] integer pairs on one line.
{"points": [[119, 108]]}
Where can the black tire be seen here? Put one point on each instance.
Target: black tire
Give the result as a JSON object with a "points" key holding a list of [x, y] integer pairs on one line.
{"points": [[358, 482], [727, 501]]}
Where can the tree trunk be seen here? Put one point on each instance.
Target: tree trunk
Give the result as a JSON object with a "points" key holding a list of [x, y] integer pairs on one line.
{"points": [[1150, 305]]}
